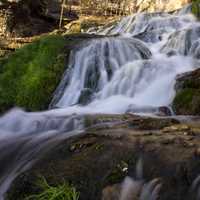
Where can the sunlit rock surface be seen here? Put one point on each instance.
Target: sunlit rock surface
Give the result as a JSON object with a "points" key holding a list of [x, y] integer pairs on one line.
{"points": [[161, 5]]}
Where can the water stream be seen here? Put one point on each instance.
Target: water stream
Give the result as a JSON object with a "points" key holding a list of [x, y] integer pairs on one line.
{"points": [[135, 67]]}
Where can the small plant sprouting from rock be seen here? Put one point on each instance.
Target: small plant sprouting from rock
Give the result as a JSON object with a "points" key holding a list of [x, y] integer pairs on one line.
{"points": [[59, 192]]}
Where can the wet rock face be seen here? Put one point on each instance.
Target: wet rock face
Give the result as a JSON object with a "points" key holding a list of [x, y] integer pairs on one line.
{"points": [[109, 152], [187, 100], [131, 189], [159, 111]]}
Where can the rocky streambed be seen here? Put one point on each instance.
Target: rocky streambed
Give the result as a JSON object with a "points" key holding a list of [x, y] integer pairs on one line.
{"points": [[109, 150]]}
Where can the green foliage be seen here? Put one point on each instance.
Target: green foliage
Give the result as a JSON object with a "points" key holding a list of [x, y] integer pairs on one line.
{"points": [[196, 8], [60, 192], [30, 75], [184, 97], [3, 1], [187, 101]]}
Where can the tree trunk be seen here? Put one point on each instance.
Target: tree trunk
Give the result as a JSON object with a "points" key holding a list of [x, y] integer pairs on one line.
{"points": [[61, 14]]}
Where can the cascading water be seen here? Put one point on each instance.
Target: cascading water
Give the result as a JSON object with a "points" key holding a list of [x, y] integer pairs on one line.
{"points": [[135, 68], [114, 73], [25, 137], [92, 67]]}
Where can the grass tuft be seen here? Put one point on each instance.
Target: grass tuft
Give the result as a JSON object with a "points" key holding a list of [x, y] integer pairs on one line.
{"points": [[60, 192]]}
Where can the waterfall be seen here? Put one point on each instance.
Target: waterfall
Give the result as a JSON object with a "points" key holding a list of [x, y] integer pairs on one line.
{"points": [[134, 65], [187, 9], [148, 23], [135, 68], [92, 67], [189, 38], [137, 188], [25, 137]]}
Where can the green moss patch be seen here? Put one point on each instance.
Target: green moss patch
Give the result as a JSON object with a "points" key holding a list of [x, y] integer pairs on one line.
{"points": [[118, 173], [187, 101], [30, 75], [196, 8], [192, 83]]}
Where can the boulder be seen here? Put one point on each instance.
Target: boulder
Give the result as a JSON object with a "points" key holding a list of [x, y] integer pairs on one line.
{"points": [[159, 111], [109, 151], [187, 99]]}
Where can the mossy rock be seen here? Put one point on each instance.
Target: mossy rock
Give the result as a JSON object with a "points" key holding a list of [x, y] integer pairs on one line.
{"points": [[187, 102], [187, 99], [196, 8], [75, 27], [29, 76]]}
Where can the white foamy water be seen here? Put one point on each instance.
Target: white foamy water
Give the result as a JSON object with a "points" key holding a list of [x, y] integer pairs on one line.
{"points": [[111, 74], [92, 67]]}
